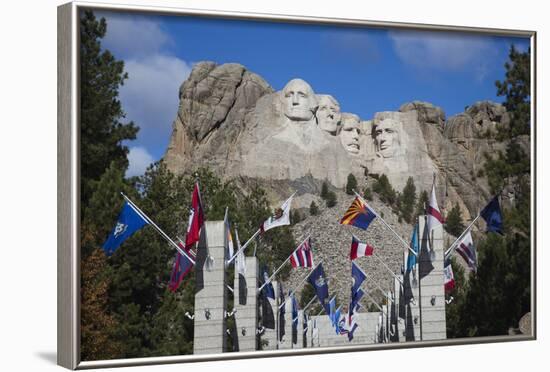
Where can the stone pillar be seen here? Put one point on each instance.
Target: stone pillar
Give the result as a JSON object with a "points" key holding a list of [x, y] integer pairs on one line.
{"points": [[211, 293], [269, 336], [246, 306], [300, 335], [399, 310], [286, 340], [432, 292], [410, 307]]}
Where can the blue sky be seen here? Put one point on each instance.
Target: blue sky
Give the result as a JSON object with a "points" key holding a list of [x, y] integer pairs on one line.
{"points": [[366, 69]]}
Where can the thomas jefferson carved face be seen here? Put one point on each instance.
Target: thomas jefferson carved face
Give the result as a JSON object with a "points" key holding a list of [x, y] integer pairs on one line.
{"points": [[328, 113], [349, 132], [299, 101], [386, 137]]}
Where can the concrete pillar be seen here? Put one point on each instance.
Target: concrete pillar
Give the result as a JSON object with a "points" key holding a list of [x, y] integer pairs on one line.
{"points": [[399, 309], [410, 309], [432, 292], [286, 339], [300, 334], [246, 306], [210, 294]]}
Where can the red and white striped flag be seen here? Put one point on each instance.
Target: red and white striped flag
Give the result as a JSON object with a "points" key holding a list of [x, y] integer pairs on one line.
{"points": [[359, 249], [303, 255], [449, 278], [467, 250], [435, 218]]}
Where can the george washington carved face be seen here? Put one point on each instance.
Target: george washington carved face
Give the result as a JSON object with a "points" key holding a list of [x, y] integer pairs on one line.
{"points": [[299, 101], [349, 132], [386, 137], [328, 113]]}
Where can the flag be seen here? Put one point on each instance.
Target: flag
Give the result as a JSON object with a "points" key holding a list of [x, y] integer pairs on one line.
{"points": [[280, 217], [267, 289], [493, 216], [303, 255], [415, 246], [129, 221], [332, 310], [467, 251], [337, 316], [352, 326], [240, 263], [294, 319], [357, 277], [282, 312], [196, 218], [359, 249], [358, 214], [182, 266], [230, 243], [449, 278], [435, 218], [318, 280]]}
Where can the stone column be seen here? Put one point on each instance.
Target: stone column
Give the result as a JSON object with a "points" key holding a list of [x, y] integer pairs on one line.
{"points": [[246, 306], [399, 310], [300, 336], [211, 293], [410, 307], [432, 292], [286, 341]]}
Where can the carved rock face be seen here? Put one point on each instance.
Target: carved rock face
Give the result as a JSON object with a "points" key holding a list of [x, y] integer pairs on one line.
{"points": [[299, 101], [349, 133], [328, 113], [387, 137]]}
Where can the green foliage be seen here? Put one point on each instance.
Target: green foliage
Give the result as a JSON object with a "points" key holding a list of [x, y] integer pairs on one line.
{"points": [[516, 88], [367, 193], [384, 189], [313, 209], [295, 217], [423, 200], [102, 131], [351, 184], [453, 222], [331, 199], [407, 201], [515, 162], [324, 190], [453, 310]]}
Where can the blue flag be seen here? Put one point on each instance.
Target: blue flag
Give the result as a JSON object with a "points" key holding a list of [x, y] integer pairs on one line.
{"points": [[337, 316], [267, 290], [318, 280], [282, 312], [415, 246], [493, 216], [294, 311], [358, 277], [129, 221], [332, 310]]}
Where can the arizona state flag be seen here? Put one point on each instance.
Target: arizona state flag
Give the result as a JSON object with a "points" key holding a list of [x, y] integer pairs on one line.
{"points": [[196, 218], [358, 214]]}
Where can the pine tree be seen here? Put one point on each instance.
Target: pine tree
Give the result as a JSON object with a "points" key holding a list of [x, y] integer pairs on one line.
{"points": [[313, 209], [331, 199], [516, 87], [384, 189], [453, 222], [407, 200], [422, 203], [324, 190], [351, 184], [102, 131]]}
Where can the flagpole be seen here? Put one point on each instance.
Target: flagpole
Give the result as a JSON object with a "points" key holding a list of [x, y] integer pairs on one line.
{"points": [[281, 266], [385, 223], [301, 282], [387, 268], [309, 303], [162, 233], [244, 246], [455, 243]]}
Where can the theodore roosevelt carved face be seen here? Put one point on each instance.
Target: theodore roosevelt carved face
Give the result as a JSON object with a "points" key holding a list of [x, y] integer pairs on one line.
{"points": [[349, 132], [387, 137], [299, 101], [328, 113]]}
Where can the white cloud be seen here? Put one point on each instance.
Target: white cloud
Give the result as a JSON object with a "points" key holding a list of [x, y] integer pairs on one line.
{"points": [[443, 51], [150, 95], [139, 159], [134, 36]]}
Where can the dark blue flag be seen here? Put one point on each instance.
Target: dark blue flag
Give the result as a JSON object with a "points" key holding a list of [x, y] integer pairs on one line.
{"points": [[267, 290], [282, 311], [129, 221], [318, 280], [493, 216], [358, 277], [294, 319]]}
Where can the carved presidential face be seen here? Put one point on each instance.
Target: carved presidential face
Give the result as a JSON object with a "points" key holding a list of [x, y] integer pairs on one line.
{"points": [[386, 137], [328, 113], [349, 133], [299, 101]]}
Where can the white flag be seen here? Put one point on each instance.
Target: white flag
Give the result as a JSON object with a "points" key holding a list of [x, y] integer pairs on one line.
{"points": [[435, 218], [281, 217], [240, 260]]}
